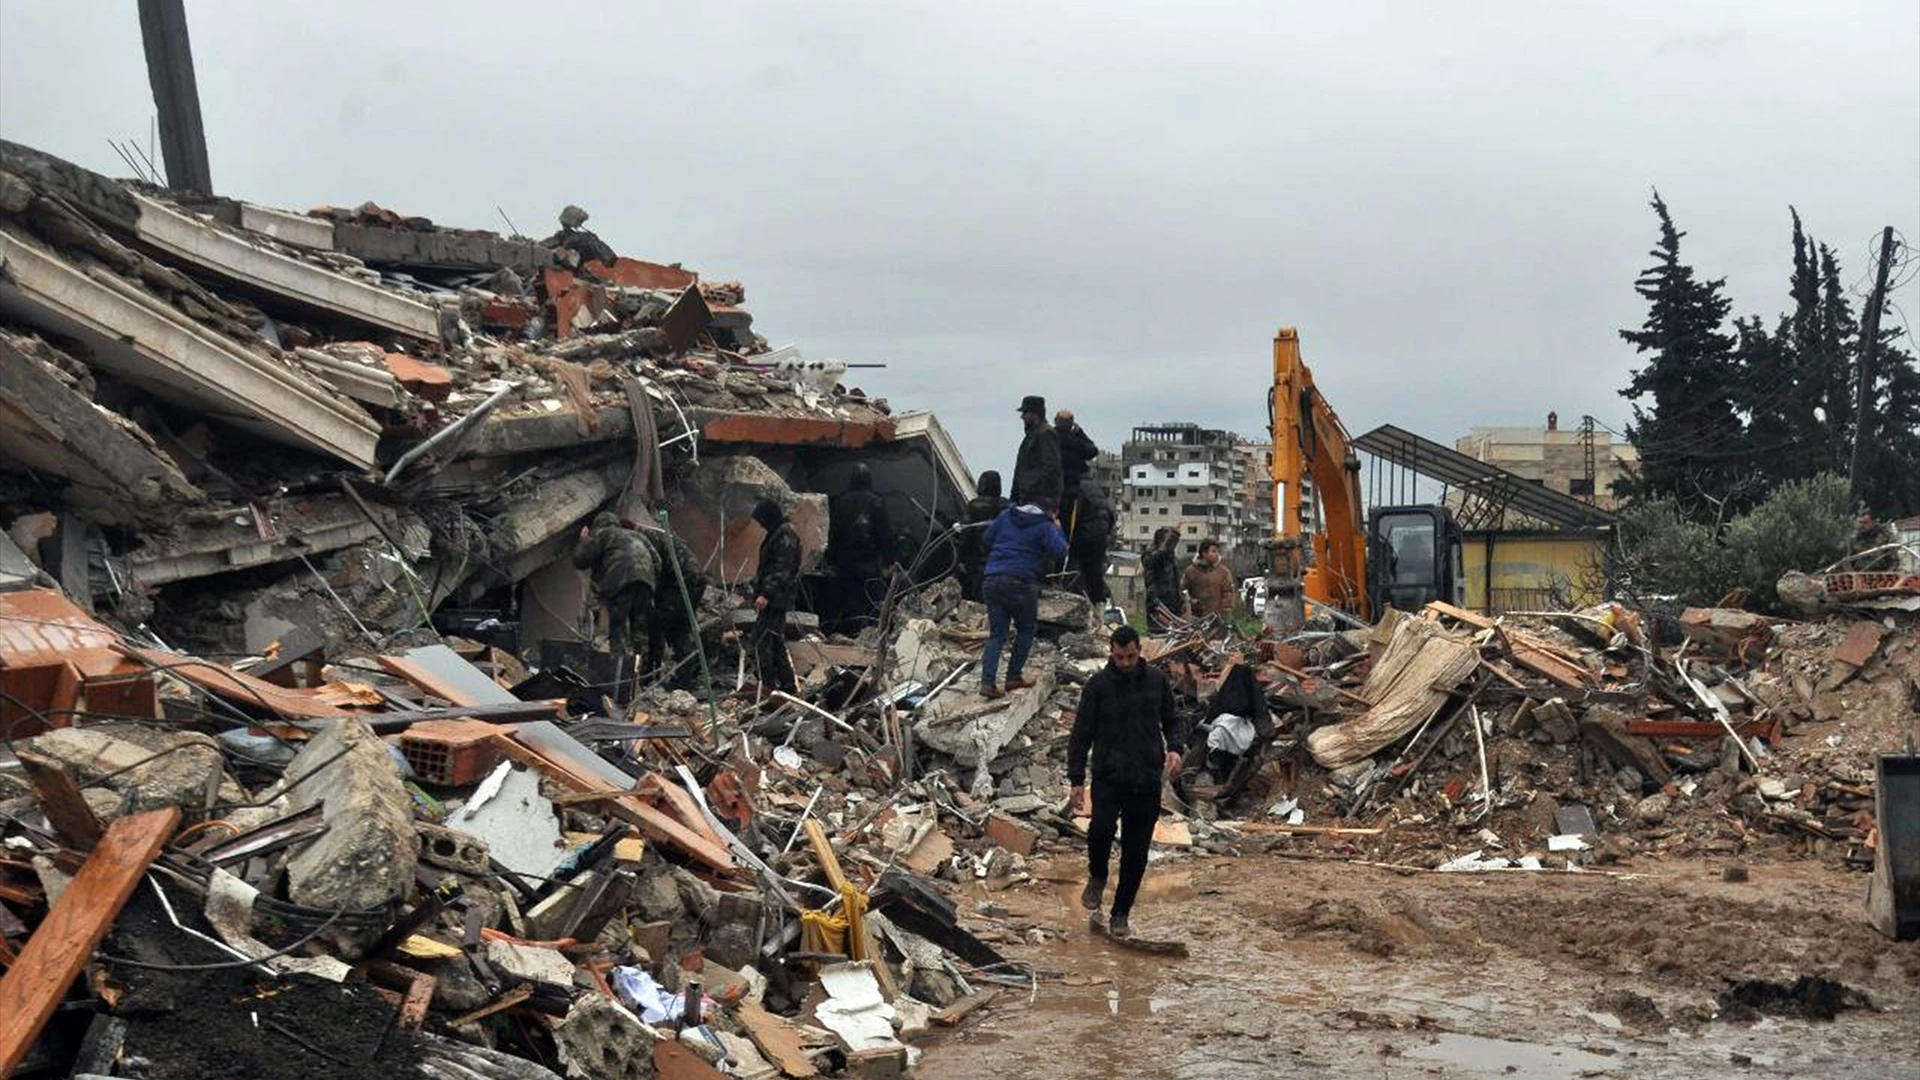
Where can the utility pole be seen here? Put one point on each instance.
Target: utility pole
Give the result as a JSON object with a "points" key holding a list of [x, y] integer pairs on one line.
{"points": [[183, 141], [1869, 351]]}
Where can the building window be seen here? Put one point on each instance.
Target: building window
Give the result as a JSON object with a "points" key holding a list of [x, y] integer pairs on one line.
{"points": [[1193, 473], [1580, 485], [1163, 511], [1192, 529]]}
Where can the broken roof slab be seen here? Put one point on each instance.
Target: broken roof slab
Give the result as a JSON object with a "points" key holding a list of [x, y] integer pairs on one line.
{"points": [[228, 255], [135, 336]]}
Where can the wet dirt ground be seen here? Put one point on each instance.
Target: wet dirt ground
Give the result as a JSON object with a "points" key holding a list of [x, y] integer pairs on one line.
{"points": [[1330, 969]]}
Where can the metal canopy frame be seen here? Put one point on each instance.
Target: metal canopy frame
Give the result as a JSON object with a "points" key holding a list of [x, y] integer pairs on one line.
{"points": [[1487, 492]]}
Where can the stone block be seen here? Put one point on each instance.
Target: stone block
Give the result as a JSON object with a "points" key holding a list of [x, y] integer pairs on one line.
{"points": [[365, 859], [601, 1040]]}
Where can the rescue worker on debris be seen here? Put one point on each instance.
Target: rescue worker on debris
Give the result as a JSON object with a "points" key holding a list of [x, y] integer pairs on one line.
{"points": [[624, 570], [1076, 452], [859, 545], [1164, 602], [775, 585], [1091, 532], [1208, 584], [669, 626], [1036, 470], [1018, 544], [985, 505], [1127, 725], [1868, 534]]}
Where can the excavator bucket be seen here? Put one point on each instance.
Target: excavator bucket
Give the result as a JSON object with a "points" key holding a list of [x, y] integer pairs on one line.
{"points": [[1893, 896]]}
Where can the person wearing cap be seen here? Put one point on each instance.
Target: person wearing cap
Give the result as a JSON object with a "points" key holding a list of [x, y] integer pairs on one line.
{"points": [[1036, 470], [775, 584], [985, 505]]}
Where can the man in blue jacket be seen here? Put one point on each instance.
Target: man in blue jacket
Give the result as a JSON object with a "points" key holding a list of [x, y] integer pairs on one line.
{"points": [[1126, 722], [1018, 544]]}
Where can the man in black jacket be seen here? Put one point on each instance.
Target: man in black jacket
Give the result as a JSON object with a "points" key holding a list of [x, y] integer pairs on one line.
{"points": [[859, 547], [1036, 470], [1077, 451], [1127, 721], [774, 588], [985, 505]]}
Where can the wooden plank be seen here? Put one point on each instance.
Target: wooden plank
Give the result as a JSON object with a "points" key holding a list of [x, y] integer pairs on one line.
{"points": [[963, 1008], [776, 1038], [63, 944], [679, 803], [1282, 829], [61, 801], [1536, 656], [1695, 729], [656, 823], [443, 673], [672, 1061]]}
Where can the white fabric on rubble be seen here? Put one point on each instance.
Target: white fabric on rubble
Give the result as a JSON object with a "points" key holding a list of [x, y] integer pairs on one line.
{"points": [[1230, 734]]}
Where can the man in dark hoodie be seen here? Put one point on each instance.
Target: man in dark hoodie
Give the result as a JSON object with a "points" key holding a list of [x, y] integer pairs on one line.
{"points": [[1036, 471], [774, 588], [1077, 452], [1127, 724], [1164, 600], [1018, 544], [985, 505], [859, 545], [624, 572]]}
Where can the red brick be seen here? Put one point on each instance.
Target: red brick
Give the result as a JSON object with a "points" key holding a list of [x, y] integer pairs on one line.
{"points": [[430, 381]]}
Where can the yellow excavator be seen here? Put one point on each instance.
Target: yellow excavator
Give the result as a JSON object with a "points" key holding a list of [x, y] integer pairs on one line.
{"points": [[1330, 550]]}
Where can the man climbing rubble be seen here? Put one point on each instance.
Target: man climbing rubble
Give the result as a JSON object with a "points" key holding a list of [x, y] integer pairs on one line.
{"points": [[669, 625], [859, 547], [1126, 722], [774, 587], [1019, 543], [625, 570]]}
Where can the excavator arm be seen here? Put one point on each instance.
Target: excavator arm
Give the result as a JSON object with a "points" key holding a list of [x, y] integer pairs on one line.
{"points": [[1320, 540]]}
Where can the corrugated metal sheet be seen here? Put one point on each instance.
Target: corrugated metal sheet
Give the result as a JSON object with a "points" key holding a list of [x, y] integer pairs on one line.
{"points": [[39, 626]]}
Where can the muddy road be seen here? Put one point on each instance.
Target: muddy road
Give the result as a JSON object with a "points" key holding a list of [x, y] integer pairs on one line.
{"points": [[1329, 969]]}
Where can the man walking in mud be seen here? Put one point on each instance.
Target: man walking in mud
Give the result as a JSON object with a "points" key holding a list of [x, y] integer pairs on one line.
{"points": [[1127, 723]]}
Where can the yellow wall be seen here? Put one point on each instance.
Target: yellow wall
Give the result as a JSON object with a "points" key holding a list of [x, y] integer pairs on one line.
{"points": [[1526, 566]]}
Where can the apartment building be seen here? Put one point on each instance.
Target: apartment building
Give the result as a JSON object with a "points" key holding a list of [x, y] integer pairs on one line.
{"points": [[1195, 480]]}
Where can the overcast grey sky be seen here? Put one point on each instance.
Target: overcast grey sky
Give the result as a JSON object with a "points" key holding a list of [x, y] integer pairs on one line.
{"points": [[1111, 204]]}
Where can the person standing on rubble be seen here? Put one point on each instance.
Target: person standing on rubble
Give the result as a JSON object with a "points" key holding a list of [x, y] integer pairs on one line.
{"points": [[859, 546], [1164, 602], [1036, 469], [775, 585], [625, 570], [1077, 452], [986, 504], [1018, 543], [1209, 585], [1090, 533], [669, 626], [1127, 725]]}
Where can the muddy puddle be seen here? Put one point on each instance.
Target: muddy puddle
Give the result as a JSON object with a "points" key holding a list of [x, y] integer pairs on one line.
{"points": [[1463, 996]]}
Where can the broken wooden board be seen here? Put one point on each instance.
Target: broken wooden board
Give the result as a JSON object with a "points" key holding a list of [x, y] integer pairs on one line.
{"points": [[656, 823], [963, 1008], [1283, 829], [933, 850], [60, 799], [443, 673], [776, 1038], [61, 946], [1531, 653]]}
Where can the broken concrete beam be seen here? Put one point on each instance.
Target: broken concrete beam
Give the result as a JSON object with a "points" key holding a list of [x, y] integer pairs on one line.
{"points": [[285, 226], [102, 199], [152, 344], [774, 429], [117, 475], [712, 512], [231, 256], [504, 435], [374, 386], [601, 1039], [215, 542], [438, 249], [365, 859]]}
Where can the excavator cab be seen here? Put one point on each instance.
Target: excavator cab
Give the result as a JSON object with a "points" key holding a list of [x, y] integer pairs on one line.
{"points": [[1413, 558]]}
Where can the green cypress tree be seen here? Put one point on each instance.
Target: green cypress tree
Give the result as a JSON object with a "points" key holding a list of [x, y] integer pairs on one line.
{"points": [[1690, 438]]}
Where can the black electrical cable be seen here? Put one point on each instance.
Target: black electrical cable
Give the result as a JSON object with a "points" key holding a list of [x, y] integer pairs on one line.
{"points": [[229, 964]]}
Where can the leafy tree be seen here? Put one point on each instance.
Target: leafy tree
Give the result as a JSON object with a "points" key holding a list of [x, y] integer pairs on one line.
{"points": [[1802, 525], [1690, 438]]}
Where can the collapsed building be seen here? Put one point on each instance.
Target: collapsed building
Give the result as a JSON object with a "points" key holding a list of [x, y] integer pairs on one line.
{"points": [[355, 422]]}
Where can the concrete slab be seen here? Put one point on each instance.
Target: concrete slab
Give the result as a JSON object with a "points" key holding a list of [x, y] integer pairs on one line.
{"points": [[134, 335], [515, 820], [230, 255]]}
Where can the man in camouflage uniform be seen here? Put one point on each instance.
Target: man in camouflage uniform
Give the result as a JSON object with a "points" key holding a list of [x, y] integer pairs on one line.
{"points": [[668, 624], [774, 588], [625, 570]]}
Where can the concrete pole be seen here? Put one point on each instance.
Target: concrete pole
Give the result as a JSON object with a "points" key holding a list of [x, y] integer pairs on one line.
{"points": [[183, 141]]}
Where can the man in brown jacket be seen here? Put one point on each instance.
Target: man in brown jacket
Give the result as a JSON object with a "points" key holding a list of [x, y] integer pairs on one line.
{"points": [[1209, 585]]}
